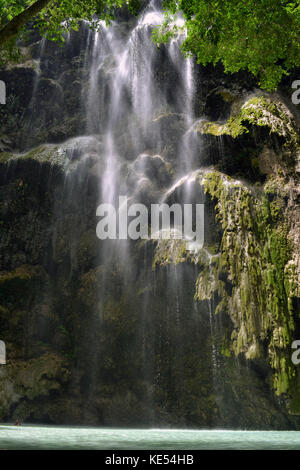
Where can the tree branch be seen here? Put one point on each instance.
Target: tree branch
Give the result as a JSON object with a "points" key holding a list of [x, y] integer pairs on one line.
{"points": [[12, 28]]}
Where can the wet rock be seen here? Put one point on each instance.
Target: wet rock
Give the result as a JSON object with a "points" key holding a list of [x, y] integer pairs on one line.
{"points": [[155, 168], [108, 333]]}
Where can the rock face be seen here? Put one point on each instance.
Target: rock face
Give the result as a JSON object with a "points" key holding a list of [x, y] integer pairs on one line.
{"points": [[136, 332]]}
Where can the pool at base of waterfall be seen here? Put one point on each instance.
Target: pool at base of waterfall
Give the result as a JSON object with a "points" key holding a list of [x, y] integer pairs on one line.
{"points": [[68, 438]]}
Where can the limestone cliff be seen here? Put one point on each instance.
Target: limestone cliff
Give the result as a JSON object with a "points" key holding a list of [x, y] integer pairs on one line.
{"points": [[165, 334]]}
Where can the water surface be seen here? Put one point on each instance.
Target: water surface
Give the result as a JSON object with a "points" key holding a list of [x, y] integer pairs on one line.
{"points": [[52, 437]]}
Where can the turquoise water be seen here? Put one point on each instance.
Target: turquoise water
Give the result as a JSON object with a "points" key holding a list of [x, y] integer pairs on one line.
{"points": [[51, 437]]}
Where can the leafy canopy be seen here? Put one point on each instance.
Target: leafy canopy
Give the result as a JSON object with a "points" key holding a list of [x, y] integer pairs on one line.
{"points": [[65, 15], [53, 18], [261, 36]]}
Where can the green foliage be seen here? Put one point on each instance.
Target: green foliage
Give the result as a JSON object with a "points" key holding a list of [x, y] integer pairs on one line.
{"points": [[9, 53], [61, 17], [261, 36], [58, 18]]}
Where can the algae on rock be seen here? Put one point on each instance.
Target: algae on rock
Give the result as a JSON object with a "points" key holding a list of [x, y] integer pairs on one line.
{"points": [[256, 258], [258, 110]]}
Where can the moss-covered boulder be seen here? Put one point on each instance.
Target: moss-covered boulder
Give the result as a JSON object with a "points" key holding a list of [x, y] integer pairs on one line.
{"points": [[30, 380], [254, 275]]}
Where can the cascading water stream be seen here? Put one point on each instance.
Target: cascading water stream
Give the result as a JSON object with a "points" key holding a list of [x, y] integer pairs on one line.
{"points": [[33, 102], [124, 72], [123, 96], [137, 106]]}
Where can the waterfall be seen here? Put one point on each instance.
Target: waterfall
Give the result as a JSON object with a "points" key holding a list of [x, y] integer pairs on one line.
{"points": [[137, 342], [124, 96], [145, 323], [129, 111]]}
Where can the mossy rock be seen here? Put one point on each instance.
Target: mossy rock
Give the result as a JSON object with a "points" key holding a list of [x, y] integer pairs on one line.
{"points": [[37, 377], [255, 258], [263, 111], [16, 282], [43, 154], [89, 284], [88, 249], [31, 380]]}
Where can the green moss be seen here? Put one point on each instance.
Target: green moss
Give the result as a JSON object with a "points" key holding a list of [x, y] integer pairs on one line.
{"points": [[256, 257], [226, 351], [43, 154], [227, 96], [259, 111], [17, 282], [206, 284], [4, 157], [213, 128], [39, 376], [257, 252], [170, 251], [88, 288], [31, 379], [88, 249]]}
